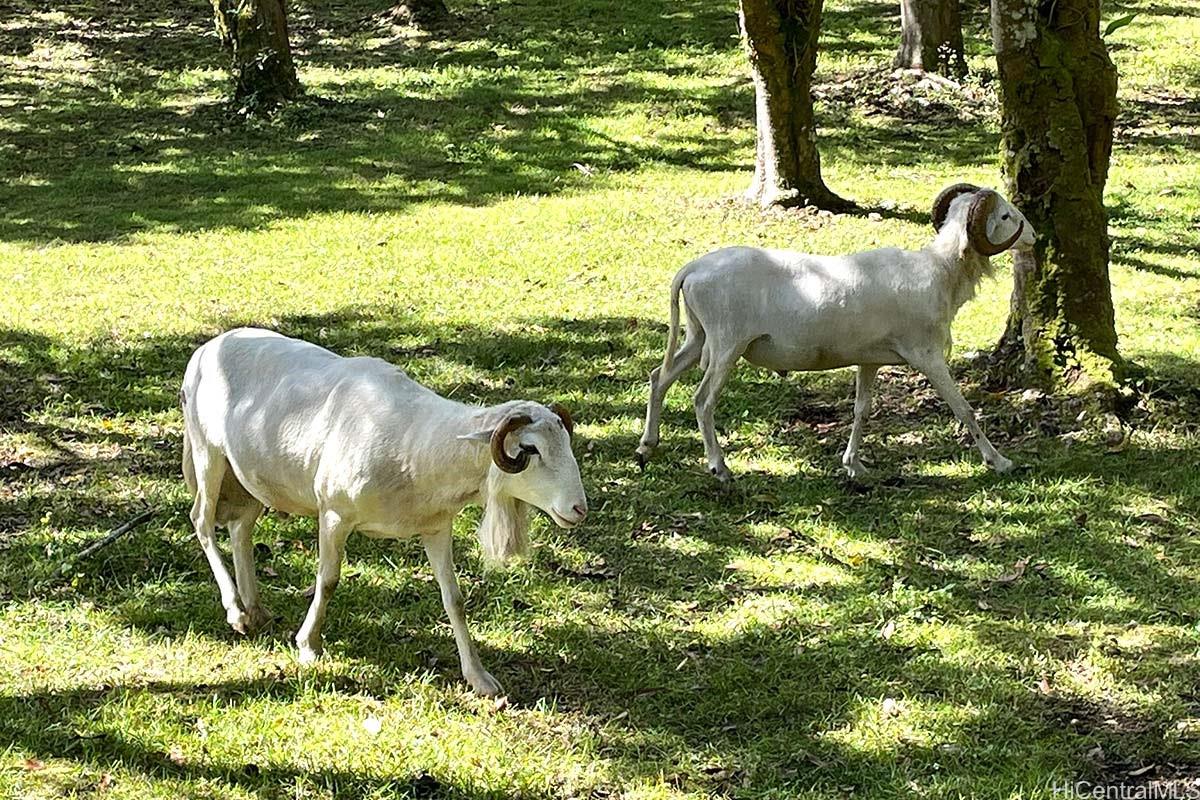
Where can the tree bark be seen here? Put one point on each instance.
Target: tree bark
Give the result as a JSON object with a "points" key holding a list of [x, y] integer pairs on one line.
{"points": [[1059, 98], [931, 37], [255, 33], [781, 40]]}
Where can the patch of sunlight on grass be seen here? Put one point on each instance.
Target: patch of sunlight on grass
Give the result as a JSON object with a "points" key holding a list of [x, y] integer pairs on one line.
{"points": [[789, 572], [883, 726]]}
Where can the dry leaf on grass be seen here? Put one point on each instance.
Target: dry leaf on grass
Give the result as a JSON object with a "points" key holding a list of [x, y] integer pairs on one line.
{"points": [[1018, 571]]}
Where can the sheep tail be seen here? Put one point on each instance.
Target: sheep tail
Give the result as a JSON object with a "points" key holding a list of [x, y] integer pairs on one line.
{"points": [[673, 333], [189, 469]]}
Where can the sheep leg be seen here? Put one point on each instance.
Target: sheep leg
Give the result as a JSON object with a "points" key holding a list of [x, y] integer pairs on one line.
{"points": [[438, 548], [720, 364], [863, 383], [210, 466], [331, 547], [241, 536], [933, 366], [660, 384]]}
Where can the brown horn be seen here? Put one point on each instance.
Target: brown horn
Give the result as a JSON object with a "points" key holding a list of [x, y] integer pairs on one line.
{"points": [[565, 416], [981, 208], [941, 204], [499, 455]]}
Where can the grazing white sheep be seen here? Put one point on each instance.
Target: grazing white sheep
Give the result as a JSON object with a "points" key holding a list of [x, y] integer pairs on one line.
{"points": [[791, 311], [354, 442]]}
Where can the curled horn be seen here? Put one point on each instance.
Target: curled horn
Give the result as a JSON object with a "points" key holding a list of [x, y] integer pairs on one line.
{"points": [[941, 204], [981, 208], [565, 416], [499, 455]]}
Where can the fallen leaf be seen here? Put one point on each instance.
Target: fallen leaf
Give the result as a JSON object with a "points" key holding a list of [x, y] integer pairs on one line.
{"points": [[372, 725], [1137, 773], [889, 629], [889, 707], [500, 703], [1018, 571], [175, 755], [1044, 686], [34, 764]]}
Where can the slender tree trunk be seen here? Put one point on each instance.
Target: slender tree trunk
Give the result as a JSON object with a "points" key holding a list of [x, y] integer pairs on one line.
{"points": [[931, 37], [255, 33], [781, 40], [1058, 93]]}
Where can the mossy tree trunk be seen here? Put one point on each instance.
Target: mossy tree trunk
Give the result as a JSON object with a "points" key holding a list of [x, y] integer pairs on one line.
{"points": [[1058, 92], [256, 36], [931, 37], [781, 40]]}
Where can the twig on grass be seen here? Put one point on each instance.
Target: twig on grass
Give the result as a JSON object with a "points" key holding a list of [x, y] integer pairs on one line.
{"points": [[114, 534]]}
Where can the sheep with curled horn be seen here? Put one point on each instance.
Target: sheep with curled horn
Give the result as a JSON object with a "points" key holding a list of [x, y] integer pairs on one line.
{"points": [[354, 442], [785, 311]]}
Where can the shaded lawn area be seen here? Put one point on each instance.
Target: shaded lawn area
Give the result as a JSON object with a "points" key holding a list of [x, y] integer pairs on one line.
{"points": [[499, 210]]}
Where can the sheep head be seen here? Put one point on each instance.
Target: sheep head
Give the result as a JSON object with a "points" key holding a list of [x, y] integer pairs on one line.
{"points": [[981, 210]]}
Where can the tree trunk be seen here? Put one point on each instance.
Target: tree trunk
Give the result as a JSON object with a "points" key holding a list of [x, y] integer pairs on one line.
{"points": [[781, 40], [255, 33], [422, 13], [1058, 93], [931, 37]]}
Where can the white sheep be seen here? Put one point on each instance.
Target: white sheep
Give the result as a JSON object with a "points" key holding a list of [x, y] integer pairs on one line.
{"points": [[791, 311], [278, 422]]}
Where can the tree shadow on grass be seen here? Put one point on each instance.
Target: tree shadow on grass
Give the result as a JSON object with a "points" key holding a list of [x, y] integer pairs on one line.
{"points": [[113, 136], [100, 749], [761, 706], [666, 607]]}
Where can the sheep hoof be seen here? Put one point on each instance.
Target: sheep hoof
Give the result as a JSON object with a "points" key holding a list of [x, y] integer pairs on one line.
{"points": [[1001, 465], [855, 470], [642, 455], [239, 620], [309, 651], [482, 683], [259, 618], [722, 474]]}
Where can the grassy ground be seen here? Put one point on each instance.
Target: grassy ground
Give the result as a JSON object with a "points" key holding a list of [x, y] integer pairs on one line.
{"points": [[499, 208]]}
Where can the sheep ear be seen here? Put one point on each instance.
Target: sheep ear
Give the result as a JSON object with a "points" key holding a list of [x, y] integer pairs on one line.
{"points": [[478, 436]]}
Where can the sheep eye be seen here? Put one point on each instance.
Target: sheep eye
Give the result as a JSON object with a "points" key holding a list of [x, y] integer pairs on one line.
{"points": [[530, 449], [1005, 216]]}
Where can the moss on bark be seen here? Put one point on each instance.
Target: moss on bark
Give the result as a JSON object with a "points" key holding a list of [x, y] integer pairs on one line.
{"points": [[255, 34], [781, 40], [1058, 94]]}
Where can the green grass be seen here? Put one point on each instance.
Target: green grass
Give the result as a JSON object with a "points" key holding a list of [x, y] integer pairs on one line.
{"points": [[499, 209]]}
